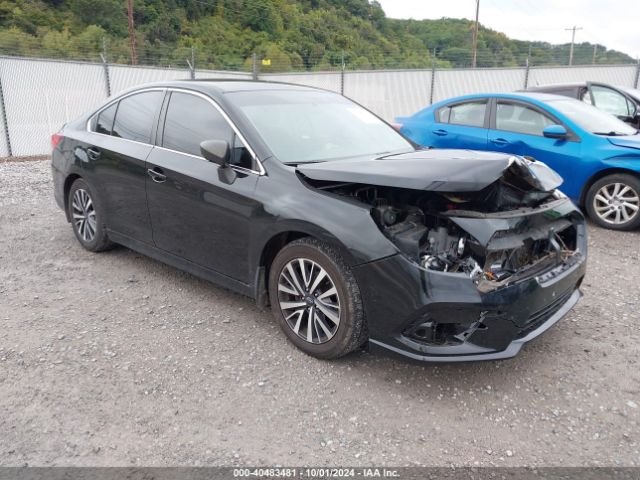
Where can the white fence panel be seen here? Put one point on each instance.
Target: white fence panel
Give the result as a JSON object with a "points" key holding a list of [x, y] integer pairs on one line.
{"points": [[389, 93], [40, 96], [326, 80], [451, 83], [223, 75], [123, 77], [623, 75]]}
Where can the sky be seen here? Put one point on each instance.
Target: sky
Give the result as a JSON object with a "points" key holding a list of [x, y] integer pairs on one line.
{"points": [[613, 23]]}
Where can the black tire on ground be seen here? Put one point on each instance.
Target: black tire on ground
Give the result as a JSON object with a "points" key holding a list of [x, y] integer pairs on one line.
{"points": [[95, 239], [594, 203], [351, 330]]}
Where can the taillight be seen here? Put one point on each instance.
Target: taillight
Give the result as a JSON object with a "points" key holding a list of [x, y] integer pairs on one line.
{"points": [[55, 140], [397, 126]]}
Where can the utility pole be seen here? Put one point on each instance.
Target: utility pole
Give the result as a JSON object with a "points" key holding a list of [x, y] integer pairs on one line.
{"points": [[474, 61], [573, 40], [132, 32], [595, 51]]}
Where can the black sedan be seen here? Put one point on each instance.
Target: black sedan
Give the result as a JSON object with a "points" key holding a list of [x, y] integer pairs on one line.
{"points": [[306, 201]]}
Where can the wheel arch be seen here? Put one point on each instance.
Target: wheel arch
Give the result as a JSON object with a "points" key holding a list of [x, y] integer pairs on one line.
{"points": [[66, 189], [275, 243], [601, 174]]}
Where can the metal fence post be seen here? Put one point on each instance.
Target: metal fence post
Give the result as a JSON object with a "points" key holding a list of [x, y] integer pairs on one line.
{"points": [[342, 75], [192, 64], [105, 66], [433, 77], [254, 66], [3, 107]]}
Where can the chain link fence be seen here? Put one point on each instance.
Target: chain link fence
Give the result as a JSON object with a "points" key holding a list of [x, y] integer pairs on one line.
{"points": [[37, 96]]}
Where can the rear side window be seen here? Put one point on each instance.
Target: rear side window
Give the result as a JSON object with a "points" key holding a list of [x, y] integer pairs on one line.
{"points": [[104, 122], [135, 116], [191, 120], [470, 114]]}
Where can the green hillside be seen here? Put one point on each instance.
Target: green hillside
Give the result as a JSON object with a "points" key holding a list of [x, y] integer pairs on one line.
{"points": [[292, 34]]}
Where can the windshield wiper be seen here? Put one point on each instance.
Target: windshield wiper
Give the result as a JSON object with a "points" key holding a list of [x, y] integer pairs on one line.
{"points": [[610, 134]]}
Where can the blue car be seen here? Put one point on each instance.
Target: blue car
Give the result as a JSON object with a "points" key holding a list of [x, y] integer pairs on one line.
{"points": [[597, 154]]}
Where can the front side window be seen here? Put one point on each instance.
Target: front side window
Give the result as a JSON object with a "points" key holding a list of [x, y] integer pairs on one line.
{"points": [[240, 155], [611, 101], [190, 120], [104, 122], [135, 116], [512, 117], [470, 114]]}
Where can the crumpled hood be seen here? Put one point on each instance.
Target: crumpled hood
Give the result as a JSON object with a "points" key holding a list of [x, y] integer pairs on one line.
{"points": [[434, 170], [629, 142]]}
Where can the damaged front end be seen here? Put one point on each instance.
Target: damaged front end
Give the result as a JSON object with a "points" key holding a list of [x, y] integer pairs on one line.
{"points": [[489, 261]]}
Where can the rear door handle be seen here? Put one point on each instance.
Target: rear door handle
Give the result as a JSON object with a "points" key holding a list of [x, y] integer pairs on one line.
{"points": [[440, 132], [499, 141], [93, 153], [156, 175]]}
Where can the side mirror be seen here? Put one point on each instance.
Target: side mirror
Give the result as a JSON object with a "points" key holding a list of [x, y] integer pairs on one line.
{"points": [[216, 151], [555, 131]]}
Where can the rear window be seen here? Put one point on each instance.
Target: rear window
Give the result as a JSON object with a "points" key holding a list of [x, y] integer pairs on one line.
{"points": [[104, 122], [470, 114], [135, 116]]}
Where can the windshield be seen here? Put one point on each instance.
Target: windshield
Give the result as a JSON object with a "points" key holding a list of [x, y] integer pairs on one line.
{"points": [[304, 126], [591, 119]]}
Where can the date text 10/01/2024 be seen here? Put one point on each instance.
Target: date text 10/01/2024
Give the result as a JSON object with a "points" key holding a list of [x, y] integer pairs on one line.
{"points": [[316, 472]]}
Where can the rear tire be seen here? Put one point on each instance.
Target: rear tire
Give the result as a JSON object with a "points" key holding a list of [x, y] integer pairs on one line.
{"points": [[316, 300], [87, 217], [614, 202]]}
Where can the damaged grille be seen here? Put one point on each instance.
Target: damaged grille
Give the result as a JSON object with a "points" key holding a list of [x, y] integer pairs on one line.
{"points": [[513, 255]]}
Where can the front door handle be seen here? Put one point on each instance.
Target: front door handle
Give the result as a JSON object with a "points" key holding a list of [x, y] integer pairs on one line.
{"points": [[499, 141], [440, 132], [157, 175], [93, 153]]}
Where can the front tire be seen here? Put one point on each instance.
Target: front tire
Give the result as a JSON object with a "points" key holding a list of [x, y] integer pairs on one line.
{"points": [[316, 300], [87, 217], [614, 202]]}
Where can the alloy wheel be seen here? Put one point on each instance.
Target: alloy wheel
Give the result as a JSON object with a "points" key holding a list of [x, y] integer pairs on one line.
{"points": [[309, 300], [616, 203], [84, 215]]}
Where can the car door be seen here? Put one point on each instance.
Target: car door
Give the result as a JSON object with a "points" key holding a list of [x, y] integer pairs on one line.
{"points": [[117, 153], [197, 213], [613, 101], [460, 125], [517, 126]]}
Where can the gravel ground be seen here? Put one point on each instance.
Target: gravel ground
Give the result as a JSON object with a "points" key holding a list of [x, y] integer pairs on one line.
{"points": [[116, 359]]}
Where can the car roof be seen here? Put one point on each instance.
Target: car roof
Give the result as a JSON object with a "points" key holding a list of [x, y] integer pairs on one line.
{"points": [[535, 96], [555, 86], [217, 87]]}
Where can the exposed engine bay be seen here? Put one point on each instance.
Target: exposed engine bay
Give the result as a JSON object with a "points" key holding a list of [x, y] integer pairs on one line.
{"points": [[422, 225]]}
